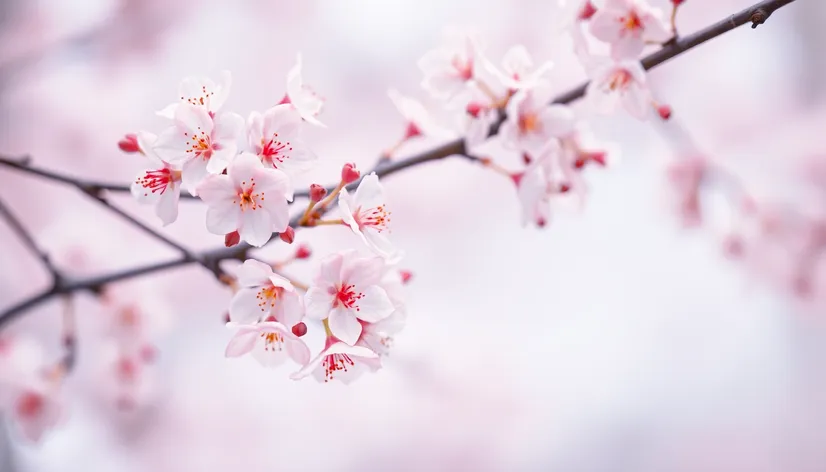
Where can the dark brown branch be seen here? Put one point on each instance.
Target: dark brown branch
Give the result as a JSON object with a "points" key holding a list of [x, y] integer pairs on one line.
{"points": [[28, 240], [756, 14]]}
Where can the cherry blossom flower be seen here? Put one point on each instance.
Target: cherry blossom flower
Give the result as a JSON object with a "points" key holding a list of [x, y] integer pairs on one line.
{"points": [[28, 391], [127, 380], [200, 144], [580, 148], [201, 92], [477, 117], [366, 213], [339, 361], [159, 184], [419, 121], [264, 294], [532, 122], [378, 336], [620, 84], [447, 70], [268, 342], [250, 199], [347, 290], [518, 71], [275, 136], [686, 176], [627, 24], [301, 97]]}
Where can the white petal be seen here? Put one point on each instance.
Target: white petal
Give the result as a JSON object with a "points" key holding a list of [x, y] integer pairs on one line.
{"points": [[256, 227], [242, 343], [167, 207], [627, 47], [362, 271], [297, 350], [330, 272], [171, 145], [279, 212], [221, 91], [318, 302], [375, 305], [605, 26], [253, 273], [369, 193], [221, 158], [344, 325], [245, 166], [557, 120], [244, 307], [193, 174], [194, 118], [290, 310], [517, 60], [223, 217], [228, 127], [216, 188], [283, 120], [380, 243]]}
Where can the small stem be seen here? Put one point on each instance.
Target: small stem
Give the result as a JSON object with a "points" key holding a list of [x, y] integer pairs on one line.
{"points": [[674, 19], [322, 205], [328, 222], [28, 240], [69, 341], [487, 162], [307, 213]]}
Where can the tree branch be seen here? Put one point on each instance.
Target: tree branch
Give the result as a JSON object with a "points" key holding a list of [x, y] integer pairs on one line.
{"points": [[28, 241], [756, 14]]}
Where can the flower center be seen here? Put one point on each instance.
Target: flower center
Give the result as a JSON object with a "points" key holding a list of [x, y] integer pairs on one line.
{"points": [[274, 151], [631, 23], [377, 218], [247, 198], [336, 363], [620, 80], [201, 145], [347, 297], [529, 123], [156, 181], [273, 341], [201, 99], [267, 297], [464, 68], [30, 405]]}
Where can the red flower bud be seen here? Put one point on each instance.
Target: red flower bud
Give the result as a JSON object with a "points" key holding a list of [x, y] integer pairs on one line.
{"points": [[303, 252], [587, 11], [406, 276], [473, 109], [129, 144], [300, 329], [664, 111], [677, 2], [317, 193], [288, 235], [349, 173], [231, 239]]}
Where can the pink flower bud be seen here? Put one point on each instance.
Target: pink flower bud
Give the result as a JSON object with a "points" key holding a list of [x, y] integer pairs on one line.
{"points": [[284, 100], [129, 144], [664, 111], [231, 239], [526, 158], [303, 252], [349, 173], [473, 109], [588, 10], [288, 235], [733, 246], [517, 177], [412, 131], [317, 193], [300, 329], [406, 276], [564, 187], [677, 2]]}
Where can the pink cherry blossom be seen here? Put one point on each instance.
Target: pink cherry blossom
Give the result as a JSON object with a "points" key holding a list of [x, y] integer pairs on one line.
{"points": [[378, 336], [419, 121], [201, 92], [302, 98], [532, 123], [620, 84], [627, 24], [200, 144], [447, 70], [686, 176], [275, 136], [264, 294], [159, 184], [366, 213], [127, 379], [518, 70], [347, 290], [250, 199], [268, 342], [549, 177], [339, 361], [477, 117]]}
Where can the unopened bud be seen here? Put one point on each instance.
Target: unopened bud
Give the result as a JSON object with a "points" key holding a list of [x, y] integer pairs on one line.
{"points": [[129, 144], [517, 177], [564, 187], [473, 109], [349, 173], [412, 131], [288, 235], [677, 2], [231, 239], [300, 329], [664, 111], [284, 100], [317, 193], [406, 275], [227, 319], [526, 158], [587, 11], [303, 252]]}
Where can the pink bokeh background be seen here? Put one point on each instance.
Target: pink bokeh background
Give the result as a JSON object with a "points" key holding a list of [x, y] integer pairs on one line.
{"points": [[614, 339]]}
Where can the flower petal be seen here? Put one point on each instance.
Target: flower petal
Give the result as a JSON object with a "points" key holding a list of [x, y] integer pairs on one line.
{"points": [[244, 306], [318, 302], [193, 174], [242, 342], [344, 325], [253, 273], [375, 305], [167, 206], [255, 227], [223, 217]]}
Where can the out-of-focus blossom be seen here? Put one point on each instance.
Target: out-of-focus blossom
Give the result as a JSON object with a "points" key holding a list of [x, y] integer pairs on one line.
{"points": [[580, 148], [268, 342], [348, 290], [264, 294], [419, 121], [378, 336], [448, 69], [250, 199], [275, 136], [201, 92], [159, 184], [302, 98], [627, 25], [686, 177], [28, 389], [620, 84], [200, 144], [366, 213], [340, 361], [518, 69], [128, 380], [532, 123]]}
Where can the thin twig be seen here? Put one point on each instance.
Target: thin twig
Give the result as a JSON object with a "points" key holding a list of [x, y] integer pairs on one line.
{"points": [[756, 14], [28, 240]]}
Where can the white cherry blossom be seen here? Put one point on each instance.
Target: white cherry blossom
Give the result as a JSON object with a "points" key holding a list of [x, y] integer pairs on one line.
{"points": [[448, 69], [627, 24], [268, 342], [275, 136], [366, 213], [518, 70], [420, 121], [532, 123], [202, 92], [159, 184], [201, 145], [249, 198], [620, 84], [301, 97], [346, 291], [339, 361], [264, 294]]}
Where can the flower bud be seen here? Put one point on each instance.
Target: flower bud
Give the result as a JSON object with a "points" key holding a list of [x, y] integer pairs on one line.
{"points": [[677, 2], [129, 144], [587, 11], [231, 239], [406, 276], [300, 329], [288, 235], [349, 173], [317, 193], [303, 252], [664, 111], [473, 109]]}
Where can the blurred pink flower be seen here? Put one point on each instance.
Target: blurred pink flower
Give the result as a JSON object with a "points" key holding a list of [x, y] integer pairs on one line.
{"points": [[532, 123], [447, 70], [518, 69], [686, 176], [201, 92], [620, 84], [263, 295], [419, 121], [627, 25]]}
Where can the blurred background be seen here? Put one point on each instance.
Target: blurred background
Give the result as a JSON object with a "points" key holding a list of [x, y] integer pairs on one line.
{"points": [[614, 339]]}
